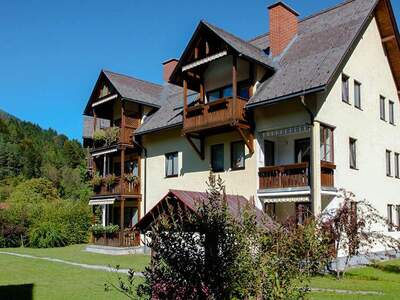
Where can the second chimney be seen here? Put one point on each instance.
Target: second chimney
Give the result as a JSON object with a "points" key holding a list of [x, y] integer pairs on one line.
{"points": [[169, 66], [283, 27]]}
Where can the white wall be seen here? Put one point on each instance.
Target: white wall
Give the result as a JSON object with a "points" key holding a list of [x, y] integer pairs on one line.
{"points": [[193, 172], [369, 66]]}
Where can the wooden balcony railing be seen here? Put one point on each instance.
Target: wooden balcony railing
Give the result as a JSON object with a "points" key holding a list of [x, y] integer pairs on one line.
{"points": [[218, 113], [295, 175], [123, 238], [116, 188]]}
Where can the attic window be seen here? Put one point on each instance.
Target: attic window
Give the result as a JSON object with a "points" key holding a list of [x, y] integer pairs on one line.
{"points": [[104, 91]]}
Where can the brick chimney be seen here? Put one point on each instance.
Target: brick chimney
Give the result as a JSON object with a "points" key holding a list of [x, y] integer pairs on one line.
{"points": [[169, 66], [283, 26]]}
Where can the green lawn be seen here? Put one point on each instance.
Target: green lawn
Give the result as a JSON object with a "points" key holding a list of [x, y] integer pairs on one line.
{"points": [[53, 280], [383, 278], [76, 253]]}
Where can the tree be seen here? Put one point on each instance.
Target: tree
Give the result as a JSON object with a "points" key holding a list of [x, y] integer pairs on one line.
{"points": [[214, 254], [355, 228]]}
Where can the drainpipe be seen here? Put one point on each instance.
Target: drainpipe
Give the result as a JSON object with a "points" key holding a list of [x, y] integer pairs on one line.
{"points": [[144, 175], [315, 163]]}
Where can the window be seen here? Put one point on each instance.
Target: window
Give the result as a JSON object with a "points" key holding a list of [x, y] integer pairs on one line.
{"points": [[237, 155], [244, 91], [269, 153], [353, 153], [391, 112], [270, 209], [212, 96], [398, 217], [388, 163], [171, 164], [302, 150], [327, 144], [303, 212], [345, 88], [397, 165], [217, 158], [382, 108], [390, 216], [227, 92], [357, 94]]}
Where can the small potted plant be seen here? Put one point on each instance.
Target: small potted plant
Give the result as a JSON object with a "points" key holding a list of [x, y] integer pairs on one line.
{"points": [[132, 180], [110, 181], [96, 181], [111, 230]]}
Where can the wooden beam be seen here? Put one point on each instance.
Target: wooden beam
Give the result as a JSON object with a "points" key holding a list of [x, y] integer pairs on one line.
{"points": [[234, 85], [122, 213], [248, 139], [94, 121], [122, 180], [185, 96], [388, 38], [200, 151]]}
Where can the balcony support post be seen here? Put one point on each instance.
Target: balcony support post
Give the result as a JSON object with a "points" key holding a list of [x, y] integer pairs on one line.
{"points": [[316, 168], [94, 121], [122, 130], [185, 96], [122, 182], [122, 213], [234, 87]]}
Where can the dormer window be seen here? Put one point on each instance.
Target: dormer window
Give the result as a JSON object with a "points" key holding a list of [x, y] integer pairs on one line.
{"points": [[104, 91]]}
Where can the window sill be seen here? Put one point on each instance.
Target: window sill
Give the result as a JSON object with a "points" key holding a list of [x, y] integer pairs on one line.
{"points": [[347, 102], [172, 176], [389, 176], [238, 169], [359, 108], [384, 120], [393, 124], [354, 168]]}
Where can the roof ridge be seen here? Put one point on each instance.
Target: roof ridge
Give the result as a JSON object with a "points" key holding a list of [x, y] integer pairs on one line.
{"points": [[343, 3], [235, 36], [131, 77]]}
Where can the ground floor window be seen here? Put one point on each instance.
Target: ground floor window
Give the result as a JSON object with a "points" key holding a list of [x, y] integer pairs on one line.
{"points": [[217, 158], [270, 209], [237, 155], [390, 217], [303, 212]]}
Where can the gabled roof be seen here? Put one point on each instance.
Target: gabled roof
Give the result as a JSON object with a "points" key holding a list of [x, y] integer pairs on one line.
{"points": [[191, 200], [242, 47], [315, 55], [237, 44], [130, 88]]}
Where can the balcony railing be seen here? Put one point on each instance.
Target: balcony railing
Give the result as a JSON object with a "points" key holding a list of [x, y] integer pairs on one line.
{"points": [[129, 188], [218, 113], [123, 238], [295, 175]]}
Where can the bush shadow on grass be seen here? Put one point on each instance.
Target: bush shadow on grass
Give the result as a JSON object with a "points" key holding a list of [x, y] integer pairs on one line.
{"points": [[17, 292], [387, 268]]}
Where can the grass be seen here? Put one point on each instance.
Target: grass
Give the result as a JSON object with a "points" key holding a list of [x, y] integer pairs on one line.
{"points": [[383, 277], [54, 280], [77, 254]]}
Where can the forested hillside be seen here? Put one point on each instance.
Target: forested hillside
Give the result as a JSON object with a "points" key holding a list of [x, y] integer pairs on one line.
{"points": [[28, 151], [44, 187]]}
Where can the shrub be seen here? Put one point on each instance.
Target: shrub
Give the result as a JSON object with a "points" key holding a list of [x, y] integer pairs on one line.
{"points": [[47, 235], [97, 180], [97, 230]]}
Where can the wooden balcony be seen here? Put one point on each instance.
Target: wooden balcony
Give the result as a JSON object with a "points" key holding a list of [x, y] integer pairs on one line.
{"points": [[220, 114], [117, 189], [295, 175], [124, 238]]}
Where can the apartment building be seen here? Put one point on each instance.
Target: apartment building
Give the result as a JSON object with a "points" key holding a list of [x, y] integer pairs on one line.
{"points": [[287, 119]]}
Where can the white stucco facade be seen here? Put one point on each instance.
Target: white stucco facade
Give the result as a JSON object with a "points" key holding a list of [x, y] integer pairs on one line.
{"points": [[367, 65]]}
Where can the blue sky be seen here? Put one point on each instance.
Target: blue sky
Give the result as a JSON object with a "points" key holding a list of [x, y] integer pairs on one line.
{"points": [[51, 52]]}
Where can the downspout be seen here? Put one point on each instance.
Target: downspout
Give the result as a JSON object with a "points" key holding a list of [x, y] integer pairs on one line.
{"points": [[315, 162]]}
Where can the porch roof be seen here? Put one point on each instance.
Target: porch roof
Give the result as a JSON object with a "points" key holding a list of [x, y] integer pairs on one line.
{"points": [[190, 200]]}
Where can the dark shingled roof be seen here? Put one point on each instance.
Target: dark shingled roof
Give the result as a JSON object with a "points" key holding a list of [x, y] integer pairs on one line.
{"points": [[135, 89], [169, 115], [247, 49], [308, 64], [191, 200], [313, 57]]}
